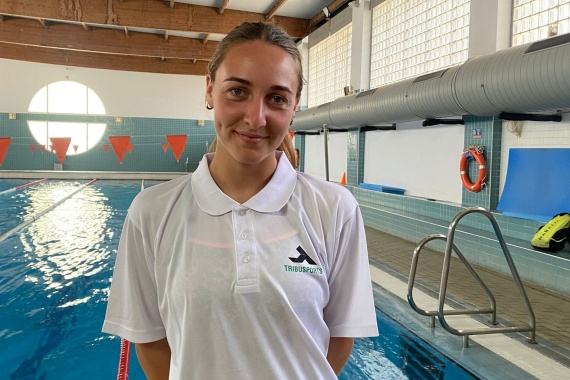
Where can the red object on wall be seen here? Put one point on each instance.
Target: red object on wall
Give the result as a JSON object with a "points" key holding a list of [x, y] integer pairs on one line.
{"points": [[105, 147], [60, 145], [75, 148], [165, 147], [120, 144], [4, 144], [177, 144], [42, 148], [291, 134], [32, 148], [130, 148]]}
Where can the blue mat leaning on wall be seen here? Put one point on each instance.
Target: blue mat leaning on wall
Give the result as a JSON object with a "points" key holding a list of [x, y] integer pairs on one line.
{"points": [[537, 186]]}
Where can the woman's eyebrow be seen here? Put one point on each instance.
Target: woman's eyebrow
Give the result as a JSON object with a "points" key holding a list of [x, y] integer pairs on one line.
{"points": [[248, 83]]}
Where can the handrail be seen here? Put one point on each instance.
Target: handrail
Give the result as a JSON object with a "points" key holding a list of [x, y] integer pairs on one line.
{"points": [[441, 312], [432, 313]]}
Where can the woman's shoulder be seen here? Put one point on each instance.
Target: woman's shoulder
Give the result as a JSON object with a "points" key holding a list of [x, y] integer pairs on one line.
{"points": [[330, 191], [158, 197]]}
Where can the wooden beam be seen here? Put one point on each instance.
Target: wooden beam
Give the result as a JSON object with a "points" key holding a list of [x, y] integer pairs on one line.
{"points": [[275, 8], [206, 38], [101, 61], [68, 36], [43, 22], [151, 14], [333, 6], [85, 26], [222, 7], [166, 35], [172, 3]]}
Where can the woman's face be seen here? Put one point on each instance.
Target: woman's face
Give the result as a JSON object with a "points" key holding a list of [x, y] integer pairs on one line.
{"points": [[254, 99]]}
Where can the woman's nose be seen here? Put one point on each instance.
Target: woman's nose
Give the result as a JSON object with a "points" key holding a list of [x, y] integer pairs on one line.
{"points": [[255, 113]]}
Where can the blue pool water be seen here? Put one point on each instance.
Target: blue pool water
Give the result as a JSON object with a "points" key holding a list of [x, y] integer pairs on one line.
{"points": [[54, 282]]}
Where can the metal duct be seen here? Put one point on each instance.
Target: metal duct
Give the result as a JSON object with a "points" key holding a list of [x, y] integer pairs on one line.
{"points": [[528, 78]]}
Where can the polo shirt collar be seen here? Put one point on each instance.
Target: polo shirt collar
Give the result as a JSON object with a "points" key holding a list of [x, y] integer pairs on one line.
{"points": [[270, 199]]}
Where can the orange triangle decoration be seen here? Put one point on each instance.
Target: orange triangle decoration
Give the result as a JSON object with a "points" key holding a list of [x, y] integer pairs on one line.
{"points": [[75, 148], [291, 134], [177, 144], [343, 179], [165, 147], [32, 148], [130, 148], [60, 145], [105, 147], [42, 148], [120, 144], [4, 144]]}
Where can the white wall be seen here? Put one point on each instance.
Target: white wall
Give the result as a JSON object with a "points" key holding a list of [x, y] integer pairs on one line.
{"points": [[423, 161], [315, 155], [124, 93]]}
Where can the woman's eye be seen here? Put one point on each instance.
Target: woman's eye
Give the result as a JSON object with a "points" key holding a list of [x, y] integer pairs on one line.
{"points": [[278, 99], [236, 91]]}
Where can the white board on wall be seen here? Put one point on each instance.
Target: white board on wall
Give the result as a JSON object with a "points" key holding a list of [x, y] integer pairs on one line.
{"points": [[315, 155], [423, 161]]}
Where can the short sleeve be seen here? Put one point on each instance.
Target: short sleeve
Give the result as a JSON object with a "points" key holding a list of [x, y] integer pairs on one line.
{"points": [[350, 311], [132, 309]]}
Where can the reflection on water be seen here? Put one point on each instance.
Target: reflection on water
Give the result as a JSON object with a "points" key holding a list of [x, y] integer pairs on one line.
{"points": [[63, 239], [54, 282]]}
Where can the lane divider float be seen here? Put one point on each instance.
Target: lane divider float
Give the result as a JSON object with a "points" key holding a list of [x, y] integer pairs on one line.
{"points": [[47, 209], [23, 186]]}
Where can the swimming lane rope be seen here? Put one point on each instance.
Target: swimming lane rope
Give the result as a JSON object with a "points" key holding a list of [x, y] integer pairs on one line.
{"points": [[23, 186], [39, 214], [124, 359]]}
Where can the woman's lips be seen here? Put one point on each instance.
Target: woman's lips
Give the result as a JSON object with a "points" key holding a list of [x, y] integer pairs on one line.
{"points": [[250, 138]]}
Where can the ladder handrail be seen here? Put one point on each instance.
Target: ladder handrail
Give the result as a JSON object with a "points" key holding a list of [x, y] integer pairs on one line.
{"points": [[441, 312], [415, 257]]}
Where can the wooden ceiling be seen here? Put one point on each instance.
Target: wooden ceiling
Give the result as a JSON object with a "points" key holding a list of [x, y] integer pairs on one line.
{"points": [[155, 36]]}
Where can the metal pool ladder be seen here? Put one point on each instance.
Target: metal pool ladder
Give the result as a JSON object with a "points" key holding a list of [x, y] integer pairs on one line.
{"points": [[492, 309]]}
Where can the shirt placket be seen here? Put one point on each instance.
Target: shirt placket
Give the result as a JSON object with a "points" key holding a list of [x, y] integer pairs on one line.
{"points": [[247, 261]]}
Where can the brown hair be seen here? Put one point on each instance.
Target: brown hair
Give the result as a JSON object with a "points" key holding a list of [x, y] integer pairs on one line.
{"points": [[270, 34]]}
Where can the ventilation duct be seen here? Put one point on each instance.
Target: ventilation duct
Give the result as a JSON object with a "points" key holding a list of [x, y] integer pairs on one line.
{"points": [[528, 78]]}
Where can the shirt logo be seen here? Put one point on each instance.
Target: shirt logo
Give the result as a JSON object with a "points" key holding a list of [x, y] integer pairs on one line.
{"points": [[301, 259]]}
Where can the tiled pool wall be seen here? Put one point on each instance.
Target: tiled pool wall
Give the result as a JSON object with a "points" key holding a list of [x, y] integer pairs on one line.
{"points": [[414, 218], [148, 135]]}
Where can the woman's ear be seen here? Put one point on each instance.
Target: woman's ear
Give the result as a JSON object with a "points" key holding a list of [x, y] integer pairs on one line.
{"points": [[209, 85]]}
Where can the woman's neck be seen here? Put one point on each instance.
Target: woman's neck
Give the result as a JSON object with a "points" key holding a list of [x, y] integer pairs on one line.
{"points": [[241, 181]]}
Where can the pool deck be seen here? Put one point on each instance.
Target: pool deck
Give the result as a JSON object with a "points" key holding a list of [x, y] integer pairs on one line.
{"points": [[491, 356]]}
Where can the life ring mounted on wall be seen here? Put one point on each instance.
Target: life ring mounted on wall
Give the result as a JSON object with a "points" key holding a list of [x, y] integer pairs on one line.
{"points": [[473, 153]]}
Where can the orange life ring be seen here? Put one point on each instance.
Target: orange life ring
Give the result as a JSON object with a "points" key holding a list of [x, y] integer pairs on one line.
{"points": [[478, 157]]}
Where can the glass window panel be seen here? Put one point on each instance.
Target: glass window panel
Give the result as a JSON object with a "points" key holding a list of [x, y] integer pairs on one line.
{"points": [[94, 103], [39, 101], [38, 129], [67, 97]]}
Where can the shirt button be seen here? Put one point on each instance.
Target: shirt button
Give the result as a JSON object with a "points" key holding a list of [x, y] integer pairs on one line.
{"points": [[246, 259], [241, 212], [243, 235]]}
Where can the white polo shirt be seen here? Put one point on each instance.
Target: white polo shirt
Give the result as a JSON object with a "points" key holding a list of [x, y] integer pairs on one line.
{"points": [[243, 291]]}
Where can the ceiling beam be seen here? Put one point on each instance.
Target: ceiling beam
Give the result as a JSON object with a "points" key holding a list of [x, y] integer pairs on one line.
{"points": [[103, 40], [223, 7], [333, 6], [275, 8], [149, 14], [101, 61]]}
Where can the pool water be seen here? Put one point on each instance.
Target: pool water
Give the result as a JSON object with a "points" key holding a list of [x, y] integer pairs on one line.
{"points": [[54, 283]]}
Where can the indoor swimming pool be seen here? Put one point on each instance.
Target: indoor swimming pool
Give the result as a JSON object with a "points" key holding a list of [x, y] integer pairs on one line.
{"points": [[54, 283]]}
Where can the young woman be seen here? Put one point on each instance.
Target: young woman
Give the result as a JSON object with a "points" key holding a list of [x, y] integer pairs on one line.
{"points": [[245, 269]]}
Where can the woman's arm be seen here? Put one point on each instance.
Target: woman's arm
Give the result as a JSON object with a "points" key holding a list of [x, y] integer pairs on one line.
{"points": [[154, 358], [339, 351]]}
